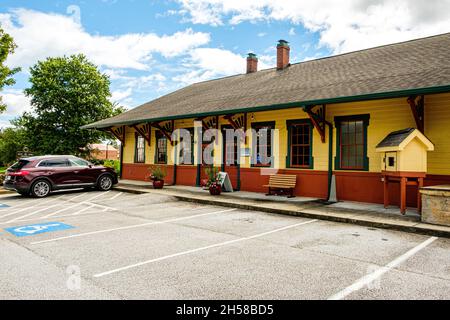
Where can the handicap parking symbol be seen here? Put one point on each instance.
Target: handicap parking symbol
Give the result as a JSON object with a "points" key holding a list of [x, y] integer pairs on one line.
{"points": [[3, 206], [31, 230]]}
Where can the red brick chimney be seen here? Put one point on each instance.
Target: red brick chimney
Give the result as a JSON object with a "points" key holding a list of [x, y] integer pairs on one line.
{"points": [[283, 54], [252, 63]]}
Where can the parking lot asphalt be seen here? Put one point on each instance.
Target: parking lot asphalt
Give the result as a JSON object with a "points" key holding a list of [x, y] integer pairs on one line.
{"points": [[114, 245]]}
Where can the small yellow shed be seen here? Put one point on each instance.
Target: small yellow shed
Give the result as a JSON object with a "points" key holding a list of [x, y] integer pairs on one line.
{"points": [[405, 151]]}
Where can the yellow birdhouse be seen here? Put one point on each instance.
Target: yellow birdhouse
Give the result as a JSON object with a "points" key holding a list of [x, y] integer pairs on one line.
{"points": [[405, 151]]}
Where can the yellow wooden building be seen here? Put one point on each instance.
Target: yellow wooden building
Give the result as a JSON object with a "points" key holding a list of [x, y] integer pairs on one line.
{"points": [[329, 115]]}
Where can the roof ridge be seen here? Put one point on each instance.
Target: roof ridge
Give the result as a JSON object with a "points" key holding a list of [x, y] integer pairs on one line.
{"points": [[327, 57]]}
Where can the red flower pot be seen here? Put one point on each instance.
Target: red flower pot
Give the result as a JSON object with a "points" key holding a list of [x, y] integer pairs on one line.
{"points": [[215, 189], [158, 184]]}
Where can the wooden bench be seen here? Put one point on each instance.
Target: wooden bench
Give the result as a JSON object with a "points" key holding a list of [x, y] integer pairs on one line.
{"points": [[282, 184]]}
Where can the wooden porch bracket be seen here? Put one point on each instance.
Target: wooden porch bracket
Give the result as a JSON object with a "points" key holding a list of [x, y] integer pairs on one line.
{"points": [[237, 122], [145, 131], [119, 133], [209, 123], [417, 104], [167, 129], [318, 119]]}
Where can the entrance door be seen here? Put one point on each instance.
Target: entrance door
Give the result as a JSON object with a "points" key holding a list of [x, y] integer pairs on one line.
{"points": [[230, 157]]}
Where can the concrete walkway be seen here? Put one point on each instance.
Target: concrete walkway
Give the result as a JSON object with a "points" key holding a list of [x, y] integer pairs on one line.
{"points": [[361, 214]]}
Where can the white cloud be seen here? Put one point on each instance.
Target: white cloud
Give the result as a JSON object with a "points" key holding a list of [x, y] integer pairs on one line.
{"points": [[343, 25], [5, 124], [40, 35], [119, 95], [292, 31], [16, 102], [210, 63]]}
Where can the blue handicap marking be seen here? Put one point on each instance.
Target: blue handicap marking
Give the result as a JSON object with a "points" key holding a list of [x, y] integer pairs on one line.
{"points": [[3, 206], [31, 230]]}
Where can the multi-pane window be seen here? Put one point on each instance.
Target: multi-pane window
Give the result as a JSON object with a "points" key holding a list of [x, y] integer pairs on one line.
{"points": [[161, 148], [185, 153], [231, 149], [300, 144], [263, 140], [352, 143], [139, 156]]}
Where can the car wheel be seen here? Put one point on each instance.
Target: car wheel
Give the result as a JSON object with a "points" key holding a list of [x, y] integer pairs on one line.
{"points": [[105, 183], [41, 189]]}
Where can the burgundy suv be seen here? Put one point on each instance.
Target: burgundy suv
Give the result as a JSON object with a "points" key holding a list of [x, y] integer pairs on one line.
{"points": [[39, 176]]}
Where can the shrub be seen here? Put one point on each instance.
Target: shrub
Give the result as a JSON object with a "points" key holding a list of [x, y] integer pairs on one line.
{"points": [[211, 172], [2, 178], [157, 172], [115, 164]]}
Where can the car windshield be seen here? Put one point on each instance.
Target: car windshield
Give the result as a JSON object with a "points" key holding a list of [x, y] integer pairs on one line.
{"points": [[19, 164]]}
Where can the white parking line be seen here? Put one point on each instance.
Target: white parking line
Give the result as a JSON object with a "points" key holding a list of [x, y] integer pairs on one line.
{"points": [[366, 280], [131, 227], [30, 214], [221, 244], [116, 196], [35, 203], [82, 210], [75, 205]]}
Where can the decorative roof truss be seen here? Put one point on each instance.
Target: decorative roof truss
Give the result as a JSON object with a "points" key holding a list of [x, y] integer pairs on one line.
{"points": [[417, 104], [119, 133], [145, 130], [317, 116]]}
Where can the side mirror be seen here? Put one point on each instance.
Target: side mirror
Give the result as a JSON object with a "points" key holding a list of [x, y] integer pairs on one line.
{"points": [[90, 166]]}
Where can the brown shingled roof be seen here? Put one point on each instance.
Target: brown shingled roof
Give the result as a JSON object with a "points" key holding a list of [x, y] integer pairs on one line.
{"points": [[418, 66]]}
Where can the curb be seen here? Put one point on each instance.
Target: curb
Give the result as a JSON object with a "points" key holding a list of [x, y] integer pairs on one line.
{"points": [[417, 228]]}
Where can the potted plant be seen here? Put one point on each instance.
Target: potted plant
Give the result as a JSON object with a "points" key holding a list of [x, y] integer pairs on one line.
{"points": [[157, 175], [213, 185]]}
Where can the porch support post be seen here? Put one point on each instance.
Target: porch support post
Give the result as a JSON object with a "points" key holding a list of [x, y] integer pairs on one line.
{"points": [[199, 154], [417, 104]]}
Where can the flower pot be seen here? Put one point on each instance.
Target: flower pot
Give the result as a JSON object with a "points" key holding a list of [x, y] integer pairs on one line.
{"points": [[158, 184], [215, 190]]}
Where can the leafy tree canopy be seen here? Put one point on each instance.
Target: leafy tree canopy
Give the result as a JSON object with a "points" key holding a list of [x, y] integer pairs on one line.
{"points": [[12, 140], [66, 93], [7, 47]]}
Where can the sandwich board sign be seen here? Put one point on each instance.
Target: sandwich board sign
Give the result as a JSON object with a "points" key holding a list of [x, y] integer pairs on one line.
{"points": [[225, 182]]}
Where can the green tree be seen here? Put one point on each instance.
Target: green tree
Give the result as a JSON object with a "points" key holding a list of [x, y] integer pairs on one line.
{"points": [[12, 140], [7, 47], [66, 93]]}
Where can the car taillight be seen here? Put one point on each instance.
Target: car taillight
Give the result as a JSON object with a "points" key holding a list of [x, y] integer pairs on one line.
{"points": [[20, 173]]}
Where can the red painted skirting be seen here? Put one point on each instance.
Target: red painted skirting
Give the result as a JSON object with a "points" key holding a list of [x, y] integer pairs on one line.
{"points": [[140, 172], [186, 175], [351, 186]]}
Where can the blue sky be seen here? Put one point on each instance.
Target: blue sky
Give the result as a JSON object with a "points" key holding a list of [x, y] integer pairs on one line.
{"points": [[150, 48]]}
